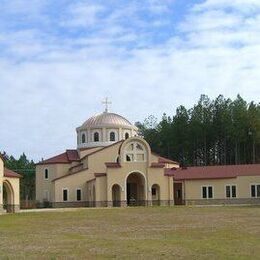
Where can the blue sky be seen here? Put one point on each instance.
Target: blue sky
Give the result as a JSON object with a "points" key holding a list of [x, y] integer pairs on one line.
{"points": [[59, 59]]}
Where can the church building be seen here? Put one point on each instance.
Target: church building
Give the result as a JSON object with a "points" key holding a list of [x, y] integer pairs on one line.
{"points": [[114, 166], [9, 189]]}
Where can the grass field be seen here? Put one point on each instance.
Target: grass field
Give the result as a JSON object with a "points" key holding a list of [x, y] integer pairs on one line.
{"points": [[133, 233]]}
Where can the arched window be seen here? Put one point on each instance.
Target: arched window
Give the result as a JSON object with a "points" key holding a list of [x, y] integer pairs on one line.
{"points": [[112, 136], [126, 135], [46, 174], [135, 152], [83, 138], [129, 158], [96, 137]]}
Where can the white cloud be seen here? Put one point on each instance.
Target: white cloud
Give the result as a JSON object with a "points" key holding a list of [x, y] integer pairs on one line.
{"points": [[211, 20], [82, 14], [244, 6]]}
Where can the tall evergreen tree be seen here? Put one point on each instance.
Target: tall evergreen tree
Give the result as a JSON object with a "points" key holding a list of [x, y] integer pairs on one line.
{"points": [[212, 132]]}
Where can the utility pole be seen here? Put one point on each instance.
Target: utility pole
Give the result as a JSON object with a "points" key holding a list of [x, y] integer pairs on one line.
{"points": [[253, 150]]}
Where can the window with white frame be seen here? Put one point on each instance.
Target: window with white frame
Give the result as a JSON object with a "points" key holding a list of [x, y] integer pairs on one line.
{"points": [[231, 191], [255, 190], [207, 192], [46, 174], [78, 194], [65, 194], [135, 152]]}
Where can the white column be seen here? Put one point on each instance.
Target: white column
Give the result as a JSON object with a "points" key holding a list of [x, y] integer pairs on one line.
{"points": [[120, 134], [89, 136], [104, 134]]}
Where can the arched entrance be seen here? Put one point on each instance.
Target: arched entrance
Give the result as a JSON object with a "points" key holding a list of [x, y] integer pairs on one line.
{"points": [[116, 195], [135, 183], [155, 195], [8, 197]]}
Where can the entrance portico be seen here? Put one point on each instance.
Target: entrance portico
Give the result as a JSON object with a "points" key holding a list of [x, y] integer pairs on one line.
{"points": [[136, 189]]}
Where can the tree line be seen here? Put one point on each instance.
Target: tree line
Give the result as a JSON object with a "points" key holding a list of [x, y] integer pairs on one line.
{"points": [[213, 132]]}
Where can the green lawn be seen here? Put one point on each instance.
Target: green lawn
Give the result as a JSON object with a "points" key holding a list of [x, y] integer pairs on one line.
{"points": [[133, 233]]}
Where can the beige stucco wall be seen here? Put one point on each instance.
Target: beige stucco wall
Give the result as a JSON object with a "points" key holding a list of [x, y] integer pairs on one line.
{"points": [[42, 185], [72, 183], [101, 188], [96, 161], [192, 188]]}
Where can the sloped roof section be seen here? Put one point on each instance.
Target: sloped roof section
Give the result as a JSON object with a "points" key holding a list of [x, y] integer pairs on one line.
{"points": [[73, 155], [67, 157], [213, 172], [162, 159], [165, 160], [11, 174]]}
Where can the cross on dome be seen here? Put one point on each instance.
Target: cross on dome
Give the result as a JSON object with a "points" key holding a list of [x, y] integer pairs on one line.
{"points": [[106, 102]]}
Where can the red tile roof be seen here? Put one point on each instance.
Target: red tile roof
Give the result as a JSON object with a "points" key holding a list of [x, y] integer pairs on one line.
{"points": [[73, 155], [162, 159], [165, 160], [214, 172], [11, 174], [67, 157]]}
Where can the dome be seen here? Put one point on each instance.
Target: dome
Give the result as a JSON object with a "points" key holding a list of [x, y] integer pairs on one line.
{"points": [[107, 119], [104, 129]]}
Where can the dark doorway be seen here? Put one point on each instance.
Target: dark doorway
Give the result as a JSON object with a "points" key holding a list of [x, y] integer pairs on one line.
{"points": [[116, 196], [177, 189], [8, 197], [155, 195], [135, 190]]}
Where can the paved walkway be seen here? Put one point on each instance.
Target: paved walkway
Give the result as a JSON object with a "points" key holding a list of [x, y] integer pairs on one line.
{"points": [[61, 209]]}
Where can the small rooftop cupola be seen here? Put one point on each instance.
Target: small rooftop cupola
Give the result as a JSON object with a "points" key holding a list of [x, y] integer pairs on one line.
{"points": [[104, 129]]}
